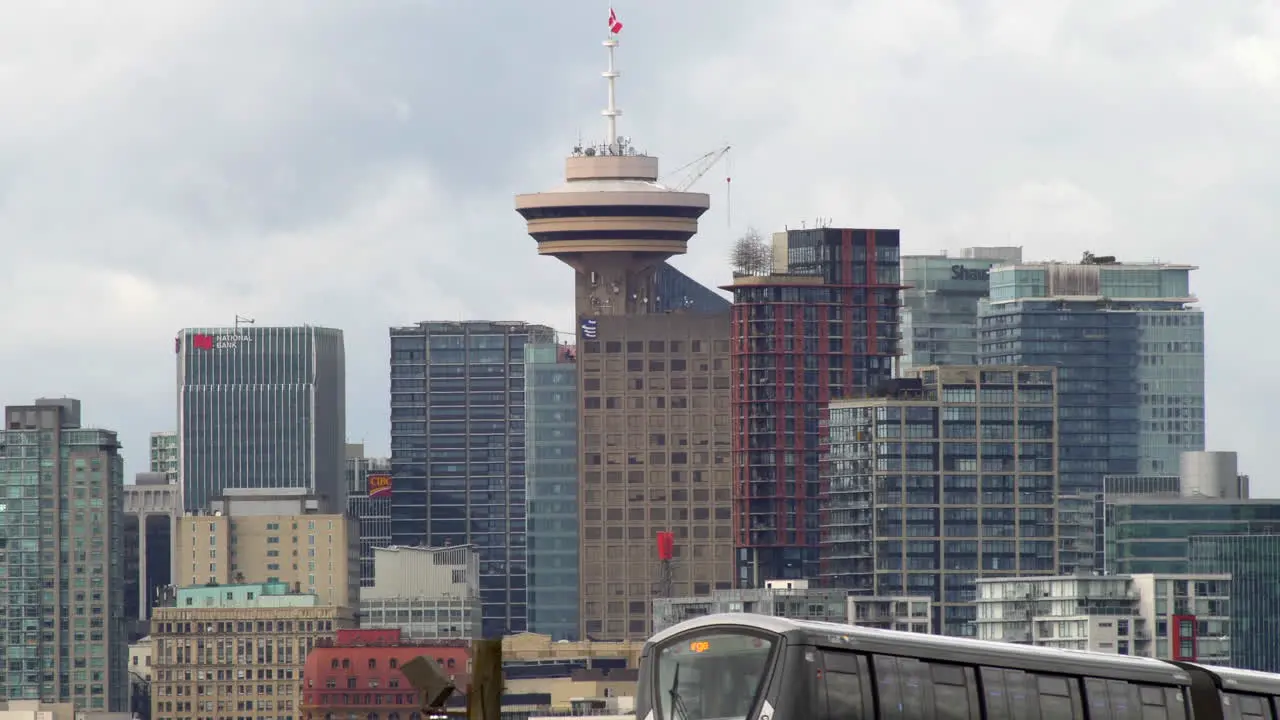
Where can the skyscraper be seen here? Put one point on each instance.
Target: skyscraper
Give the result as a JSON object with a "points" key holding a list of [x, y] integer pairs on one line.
{"points": [[62, 535], [1129, 348], [551, 461], [940, 304], [653, 383], [458, 450], [822, 326], [261, 407], [943, 479]]}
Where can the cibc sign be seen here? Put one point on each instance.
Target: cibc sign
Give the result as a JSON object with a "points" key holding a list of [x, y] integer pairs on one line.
{"points": [[966, 274]]}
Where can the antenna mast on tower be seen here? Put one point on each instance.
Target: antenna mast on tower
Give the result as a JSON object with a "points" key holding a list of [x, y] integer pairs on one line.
{"points": [[612, 112]]}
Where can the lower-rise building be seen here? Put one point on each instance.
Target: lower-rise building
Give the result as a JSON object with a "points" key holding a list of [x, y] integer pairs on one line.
{"points": [[271, 535], [903, 614], [1153, 535], [1169, 617], [360, 674], [151, 508], [796, 600], [369, 483], [1253, 561], [39, 710], [781, 598], [236, 651], [427, 594]]}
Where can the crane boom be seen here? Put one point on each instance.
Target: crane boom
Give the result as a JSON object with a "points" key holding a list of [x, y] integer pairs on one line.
{"points": [[698, 168]]}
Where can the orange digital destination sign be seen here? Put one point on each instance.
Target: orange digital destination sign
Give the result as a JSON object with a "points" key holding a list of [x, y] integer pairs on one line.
{"points": [[379, 485]]}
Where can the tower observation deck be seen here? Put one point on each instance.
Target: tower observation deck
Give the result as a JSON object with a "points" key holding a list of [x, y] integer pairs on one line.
{"points": [[612, 221]]}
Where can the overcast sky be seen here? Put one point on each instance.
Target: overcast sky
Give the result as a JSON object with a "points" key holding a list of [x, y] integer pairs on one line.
{"points": [[352, 164]]}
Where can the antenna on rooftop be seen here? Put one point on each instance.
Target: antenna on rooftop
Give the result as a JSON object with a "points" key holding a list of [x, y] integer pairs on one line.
{"points": [[611, 75]]}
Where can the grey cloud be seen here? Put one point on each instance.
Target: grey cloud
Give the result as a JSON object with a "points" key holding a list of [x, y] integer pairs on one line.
{"points": [[352, 164]]}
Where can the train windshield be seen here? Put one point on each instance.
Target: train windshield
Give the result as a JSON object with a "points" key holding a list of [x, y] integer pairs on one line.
{"points": [[711, 677]]}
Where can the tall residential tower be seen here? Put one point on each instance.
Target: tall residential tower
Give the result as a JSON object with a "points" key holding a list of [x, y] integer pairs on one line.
{"points": [[822, 326], [62, 544], [653, 384]]}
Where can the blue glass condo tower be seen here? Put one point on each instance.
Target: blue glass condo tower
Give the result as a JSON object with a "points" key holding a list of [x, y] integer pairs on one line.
{"points": [[458, 450]]}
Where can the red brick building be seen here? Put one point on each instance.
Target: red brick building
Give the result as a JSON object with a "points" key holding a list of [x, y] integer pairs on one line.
{"points": [[358, 675]]}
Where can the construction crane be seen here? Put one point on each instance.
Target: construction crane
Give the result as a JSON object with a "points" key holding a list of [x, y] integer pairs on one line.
{"points": [[696, 169]]}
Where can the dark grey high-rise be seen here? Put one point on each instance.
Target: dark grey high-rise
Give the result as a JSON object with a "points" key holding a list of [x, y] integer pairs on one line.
{"points": [[458, 450], [261, 407]]}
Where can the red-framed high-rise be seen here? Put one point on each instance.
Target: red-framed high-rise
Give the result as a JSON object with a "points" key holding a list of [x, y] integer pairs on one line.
{"points": [[822, 326]]}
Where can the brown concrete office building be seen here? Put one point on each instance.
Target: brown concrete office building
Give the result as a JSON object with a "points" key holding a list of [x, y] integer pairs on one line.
{"points": [[654, 431]]}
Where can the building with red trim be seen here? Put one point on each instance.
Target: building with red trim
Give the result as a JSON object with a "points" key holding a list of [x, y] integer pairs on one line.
{"points": [[822, 325], [359, 674]]}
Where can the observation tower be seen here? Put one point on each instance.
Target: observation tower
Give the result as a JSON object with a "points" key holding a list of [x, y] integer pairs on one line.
{"points": [[611, 220]]}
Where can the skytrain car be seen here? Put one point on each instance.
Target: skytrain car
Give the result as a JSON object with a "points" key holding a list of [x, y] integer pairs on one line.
{"points": [[1232, 694], [742, 666]]}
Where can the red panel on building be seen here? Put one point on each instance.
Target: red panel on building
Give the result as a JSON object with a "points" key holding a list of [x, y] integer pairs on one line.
{"points": [[1182, 638], [666, 545], [360, 673]]}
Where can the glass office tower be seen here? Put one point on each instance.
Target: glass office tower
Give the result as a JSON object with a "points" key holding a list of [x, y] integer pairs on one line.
{"points": [[1129, 349], [551, 467], [458, 450], [1253, 561], [262, 407], [940, 304]]}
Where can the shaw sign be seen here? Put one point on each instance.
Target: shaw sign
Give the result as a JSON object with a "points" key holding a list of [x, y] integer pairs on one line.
{"points": [[960, 272]]}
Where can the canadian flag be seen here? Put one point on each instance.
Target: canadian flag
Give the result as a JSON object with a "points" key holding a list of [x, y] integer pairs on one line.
{"points": [[615, 27]]}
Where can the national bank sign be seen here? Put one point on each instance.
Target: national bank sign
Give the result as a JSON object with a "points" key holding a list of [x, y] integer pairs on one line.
{"points": [[206, 341]]}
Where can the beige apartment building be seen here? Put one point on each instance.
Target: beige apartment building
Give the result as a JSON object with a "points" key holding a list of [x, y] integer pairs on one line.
{"points": [[271, 536], [225, 652]]}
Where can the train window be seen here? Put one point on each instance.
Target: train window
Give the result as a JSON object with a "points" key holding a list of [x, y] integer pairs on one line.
{"points": [[1007, 695], [1095, 691], [711, 676], [1175, 702], [954, 692], [1153, 703], [1018, 695], [903, 688], [1055, 698], [1245, 707], [843, 675], [910, 689], [1119, 700]]}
